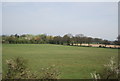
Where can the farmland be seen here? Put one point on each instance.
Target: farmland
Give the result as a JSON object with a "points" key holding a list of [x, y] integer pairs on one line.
{"points": [[73, 62]]}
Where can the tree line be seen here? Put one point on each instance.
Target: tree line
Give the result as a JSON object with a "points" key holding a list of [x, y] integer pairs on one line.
{"points": [[67, 39]]}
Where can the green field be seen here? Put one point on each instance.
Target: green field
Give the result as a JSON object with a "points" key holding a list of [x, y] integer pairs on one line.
{"points": [[73, 62]]}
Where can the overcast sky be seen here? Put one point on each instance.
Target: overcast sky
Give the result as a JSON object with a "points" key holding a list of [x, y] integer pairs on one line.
{"points": [[95, 19]]}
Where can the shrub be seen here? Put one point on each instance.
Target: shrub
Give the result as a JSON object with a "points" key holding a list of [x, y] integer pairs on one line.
{"points": [[50, 73], [17, 69], [110, 71]]}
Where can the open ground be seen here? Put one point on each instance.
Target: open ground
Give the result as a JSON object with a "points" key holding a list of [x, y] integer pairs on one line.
{"points": [[73, 62]]}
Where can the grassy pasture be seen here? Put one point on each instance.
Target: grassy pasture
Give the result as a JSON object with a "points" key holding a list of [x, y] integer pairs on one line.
{"points": [[73, 62]]}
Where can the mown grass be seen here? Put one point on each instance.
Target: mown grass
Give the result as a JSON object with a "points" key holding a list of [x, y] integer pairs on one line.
{"points": [[73, 62]]}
